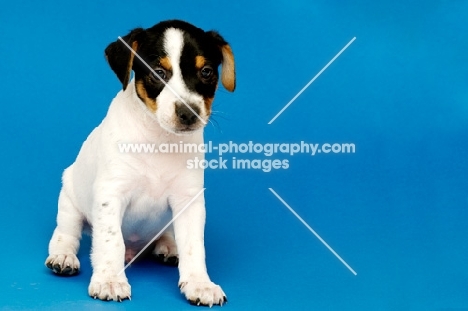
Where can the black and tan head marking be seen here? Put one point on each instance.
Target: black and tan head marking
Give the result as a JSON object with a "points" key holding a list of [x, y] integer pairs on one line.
{"points": [[182, 55]]}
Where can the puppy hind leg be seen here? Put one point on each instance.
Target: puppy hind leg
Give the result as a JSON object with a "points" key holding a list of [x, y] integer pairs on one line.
{"points": [[65, 241]]}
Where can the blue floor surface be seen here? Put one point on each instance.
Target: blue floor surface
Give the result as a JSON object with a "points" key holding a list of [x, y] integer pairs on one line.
{"points": [[395, 210]]}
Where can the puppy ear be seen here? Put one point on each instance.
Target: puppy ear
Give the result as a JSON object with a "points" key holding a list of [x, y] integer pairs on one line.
{"points": [[120, 58], [228, 71]]}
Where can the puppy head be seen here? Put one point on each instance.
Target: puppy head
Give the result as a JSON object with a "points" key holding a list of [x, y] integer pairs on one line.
{"points": [[180, 83]]}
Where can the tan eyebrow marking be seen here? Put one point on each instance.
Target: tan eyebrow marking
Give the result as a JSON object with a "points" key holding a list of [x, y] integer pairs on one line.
{"points": [[199, 62], [165, 62]]}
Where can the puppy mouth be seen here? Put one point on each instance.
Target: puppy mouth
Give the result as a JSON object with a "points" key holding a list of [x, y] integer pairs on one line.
{"points": [[187, 130], [181, 129]]}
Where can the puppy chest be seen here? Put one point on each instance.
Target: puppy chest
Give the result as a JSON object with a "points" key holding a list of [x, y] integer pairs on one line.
{"points": [[143, 219]]}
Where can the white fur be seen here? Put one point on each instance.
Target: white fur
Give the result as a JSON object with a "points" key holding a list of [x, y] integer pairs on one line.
{"points": [[128, 197], [173, 45]]}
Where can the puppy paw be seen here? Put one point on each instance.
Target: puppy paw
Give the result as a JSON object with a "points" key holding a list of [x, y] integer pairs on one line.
{"points": [[172, 261], [116, 289], [203, 293], [166, 252], [129, 254], [65, 264]]}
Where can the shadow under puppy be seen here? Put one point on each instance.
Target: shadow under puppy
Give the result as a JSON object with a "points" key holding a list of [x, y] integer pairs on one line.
{"points": [[127, 198]]}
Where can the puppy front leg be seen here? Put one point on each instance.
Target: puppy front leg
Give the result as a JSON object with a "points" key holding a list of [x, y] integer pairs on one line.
{"points": [[194, 281], [108, 253]]}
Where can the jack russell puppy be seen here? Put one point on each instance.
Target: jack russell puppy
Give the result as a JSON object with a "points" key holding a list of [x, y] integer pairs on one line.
{"points": [[127, 198]]}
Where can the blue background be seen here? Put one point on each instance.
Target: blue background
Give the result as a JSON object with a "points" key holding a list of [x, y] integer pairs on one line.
{"points": [[396, 210]]}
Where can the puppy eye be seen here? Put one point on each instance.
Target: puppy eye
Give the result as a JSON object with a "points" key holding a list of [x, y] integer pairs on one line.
{"points": [[161, 73], [206, 72]]}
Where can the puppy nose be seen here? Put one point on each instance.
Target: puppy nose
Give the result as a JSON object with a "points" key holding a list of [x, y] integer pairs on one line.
{"points": [[186, 115]]}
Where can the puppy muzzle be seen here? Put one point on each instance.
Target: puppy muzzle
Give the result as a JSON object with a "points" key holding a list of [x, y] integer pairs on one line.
{"points": [[188, 118]]}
